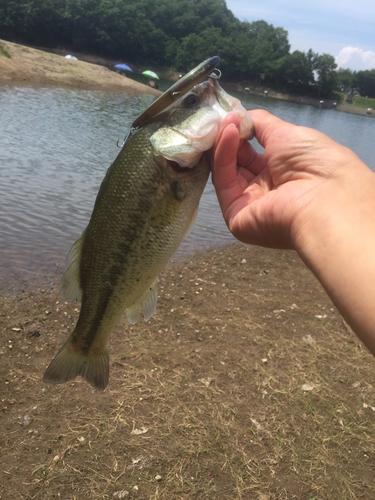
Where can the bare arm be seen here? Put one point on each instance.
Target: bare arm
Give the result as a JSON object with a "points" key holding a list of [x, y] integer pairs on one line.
{"points": [[308, 193]]}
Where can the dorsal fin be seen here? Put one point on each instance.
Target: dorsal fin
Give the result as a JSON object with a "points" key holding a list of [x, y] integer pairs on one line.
{"points": [[70, 285], [147, 303]]}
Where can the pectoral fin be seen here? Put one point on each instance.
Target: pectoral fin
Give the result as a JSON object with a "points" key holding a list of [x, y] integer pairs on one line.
{"points": [[147, 303]]}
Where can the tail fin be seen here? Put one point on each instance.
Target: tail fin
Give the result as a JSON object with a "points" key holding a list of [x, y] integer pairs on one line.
{"points": [[68, 364]]}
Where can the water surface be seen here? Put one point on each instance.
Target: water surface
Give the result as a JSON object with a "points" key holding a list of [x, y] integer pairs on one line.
{"points": [[55, 147]]}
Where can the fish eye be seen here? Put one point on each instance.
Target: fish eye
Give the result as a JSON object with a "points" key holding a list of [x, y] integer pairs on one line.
{"points": [[191, 100]]}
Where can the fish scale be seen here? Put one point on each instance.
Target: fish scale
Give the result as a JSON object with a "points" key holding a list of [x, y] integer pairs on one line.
{"points": [[145, 206]]}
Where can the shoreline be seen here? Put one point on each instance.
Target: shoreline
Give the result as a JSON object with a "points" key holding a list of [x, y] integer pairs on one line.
{"points": [[37, 66], [306, 100], [246, 382], [29, 66]]}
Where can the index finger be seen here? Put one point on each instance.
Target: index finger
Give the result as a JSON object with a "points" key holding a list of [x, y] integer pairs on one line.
{"points": [[247, 156]]}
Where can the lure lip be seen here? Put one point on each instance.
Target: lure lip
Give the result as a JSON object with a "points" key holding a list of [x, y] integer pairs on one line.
{"points": [[179, 88]]}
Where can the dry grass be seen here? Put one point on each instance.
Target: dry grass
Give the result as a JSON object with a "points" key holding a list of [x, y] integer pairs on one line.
{"points": [[23, 65], [216, 378]]}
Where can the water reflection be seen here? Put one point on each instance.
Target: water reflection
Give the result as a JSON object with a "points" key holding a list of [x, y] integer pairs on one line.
{"points": [[55, 147]]}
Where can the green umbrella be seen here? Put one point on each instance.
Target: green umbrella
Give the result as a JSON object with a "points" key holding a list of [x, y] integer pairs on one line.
{"points": [[151, 74]]}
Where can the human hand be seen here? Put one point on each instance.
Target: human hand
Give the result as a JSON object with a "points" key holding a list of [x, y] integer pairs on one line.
{"points": [[308, 193], [266, 197]]}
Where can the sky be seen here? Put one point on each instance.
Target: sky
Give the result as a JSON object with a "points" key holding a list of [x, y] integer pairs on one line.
{"points": [[342, 28]]}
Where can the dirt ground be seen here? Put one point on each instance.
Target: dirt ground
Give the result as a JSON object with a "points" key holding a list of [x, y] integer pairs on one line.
{"points": [[29, 66], [246, 384]]}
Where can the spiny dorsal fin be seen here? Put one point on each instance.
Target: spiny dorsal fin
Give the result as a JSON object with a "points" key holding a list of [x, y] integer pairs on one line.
{"points": [[70, 286], [147, 303]]}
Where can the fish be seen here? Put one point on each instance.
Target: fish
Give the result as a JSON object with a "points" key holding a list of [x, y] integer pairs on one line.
{"points": [[145, 206]]}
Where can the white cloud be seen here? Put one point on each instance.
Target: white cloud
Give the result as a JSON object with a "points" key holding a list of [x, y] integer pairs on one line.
{"points": [[325, 26], [355, 59]]}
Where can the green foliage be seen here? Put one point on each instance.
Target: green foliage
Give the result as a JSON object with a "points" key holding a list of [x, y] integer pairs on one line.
{"points": [[178, 34], [325, 65], [365, 82], [4, 51], [346, 79]]}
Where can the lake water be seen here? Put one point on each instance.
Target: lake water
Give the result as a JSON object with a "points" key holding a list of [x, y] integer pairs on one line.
{"points": [[55, 147]]}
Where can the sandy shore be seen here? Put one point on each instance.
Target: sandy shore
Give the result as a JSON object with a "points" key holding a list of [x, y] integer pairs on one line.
{"points": [[28, 66]]}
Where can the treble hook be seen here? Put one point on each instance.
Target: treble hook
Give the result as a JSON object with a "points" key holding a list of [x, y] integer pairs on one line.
{"points": [[120, 145]]}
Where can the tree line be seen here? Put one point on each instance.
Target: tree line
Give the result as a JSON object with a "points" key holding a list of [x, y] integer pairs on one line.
{"points": [[178, 34]]}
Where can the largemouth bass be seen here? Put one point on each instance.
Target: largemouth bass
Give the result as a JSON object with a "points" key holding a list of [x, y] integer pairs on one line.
{"points": [[146, 205]]}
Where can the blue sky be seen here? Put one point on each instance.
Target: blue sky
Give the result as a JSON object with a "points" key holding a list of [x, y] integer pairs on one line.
{"points": [[345, 29]]}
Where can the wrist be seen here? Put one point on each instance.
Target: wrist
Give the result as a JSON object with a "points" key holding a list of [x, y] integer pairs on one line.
{"points": [[335, 237]]}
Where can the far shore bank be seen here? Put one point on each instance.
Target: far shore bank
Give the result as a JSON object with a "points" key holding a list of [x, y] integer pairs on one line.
{"points": [[310, 101], [31, 66], [48, 67]]}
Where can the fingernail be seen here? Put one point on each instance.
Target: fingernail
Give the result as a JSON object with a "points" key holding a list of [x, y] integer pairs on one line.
{"points": [[231, 125]]}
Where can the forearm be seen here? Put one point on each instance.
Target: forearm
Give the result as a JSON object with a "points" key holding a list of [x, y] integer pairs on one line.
{"points": [[309, 193], [336, 240]]}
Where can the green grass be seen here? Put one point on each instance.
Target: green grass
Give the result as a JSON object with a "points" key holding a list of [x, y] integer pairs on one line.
{"points": [[5, 52], [363, 102]]}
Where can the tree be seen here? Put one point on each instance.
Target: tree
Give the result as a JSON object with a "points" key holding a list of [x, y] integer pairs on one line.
{"points": [[176, 33], [296, 70], [366, 82], [13, 15], [346, 79], [196, 48], [325, 67]]}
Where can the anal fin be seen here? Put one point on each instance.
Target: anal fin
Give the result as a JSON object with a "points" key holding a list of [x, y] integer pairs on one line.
{"points": [[147, 303]]}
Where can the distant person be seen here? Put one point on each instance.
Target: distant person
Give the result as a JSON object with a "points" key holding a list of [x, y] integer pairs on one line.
{"points": [[151, 83], [307, 193]]}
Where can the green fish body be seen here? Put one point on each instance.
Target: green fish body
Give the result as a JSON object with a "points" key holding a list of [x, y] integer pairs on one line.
{"points": [[146, 205]]}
